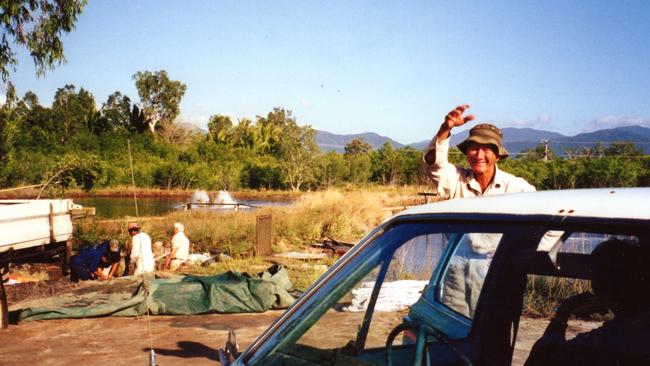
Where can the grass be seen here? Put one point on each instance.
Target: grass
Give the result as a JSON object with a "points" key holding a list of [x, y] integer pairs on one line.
{"points": [[543, 294], [344, 214]]}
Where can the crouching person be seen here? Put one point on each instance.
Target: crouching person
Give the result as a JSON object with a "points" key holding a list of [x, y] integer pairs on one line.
{"points": [[180, 248], [100, 262]]}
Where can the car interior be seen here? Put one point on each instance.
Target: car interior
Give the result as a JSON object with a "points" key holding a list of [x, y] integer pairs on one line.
{"points": [[510, 296]]}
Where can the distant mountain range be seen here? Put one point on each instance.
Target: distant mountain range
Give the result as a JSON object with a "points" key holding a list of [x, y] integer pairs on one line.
{"points": [[328, 141], [515, 139]]}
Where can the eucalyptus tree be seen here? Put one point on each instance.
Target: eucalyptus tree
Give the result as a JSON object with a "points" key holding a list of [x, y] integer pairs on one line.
{"points": [[385, 165], [8, 121], [296, 152], [37, 25], [358, 161], [71, 110], [160, 97], [116, 112], [330, 169]]}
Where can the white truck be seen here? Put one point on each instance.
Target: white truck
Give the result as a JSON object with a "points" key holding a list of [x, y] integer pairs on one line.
{"points": [[31, 229]]}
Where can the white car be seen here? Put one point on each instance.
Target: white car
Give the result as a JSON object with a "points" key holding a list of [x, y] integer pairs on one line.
{"points": [[492, 269]]}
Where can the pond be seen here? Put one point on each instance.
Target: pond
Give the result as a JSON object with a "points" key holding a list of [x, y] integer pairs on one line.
{"points": [[117, 207]]}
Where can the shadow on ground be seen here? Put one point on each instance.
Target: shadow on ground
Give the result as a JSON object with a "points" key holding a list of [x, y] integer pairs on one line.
{"points": [[187, 349]]}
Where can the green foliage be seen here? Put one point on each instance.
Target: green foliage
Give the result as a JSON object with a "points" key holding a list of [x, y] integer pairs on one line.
{"points": [[357, 146], [8, 120], [37, 25], [76, 171], [219, 128], [397, 166], [331, 170], [74, 145], [262, 173], [296, 151], [160, 97], [624, 148], [116, 113], [359, 168], [71, 111]]}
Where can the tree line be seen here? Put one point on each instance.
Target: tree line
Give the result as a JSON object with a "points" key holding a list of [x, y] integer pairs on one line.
{"points": [[75, 143]]}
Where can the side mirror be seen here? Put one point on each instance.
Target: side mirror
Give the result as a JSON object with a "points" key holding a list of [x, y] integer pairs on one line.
{"points": [[230, 352]]}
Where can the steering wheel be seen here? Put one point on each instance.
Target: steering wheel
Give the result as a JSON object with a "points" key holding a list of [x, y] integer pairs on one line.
{"points": [[422, 331]]}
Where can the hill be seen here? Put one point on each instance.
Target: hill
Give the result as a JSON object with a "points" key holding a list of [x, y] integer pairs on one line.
{"points": [[515, 139], [328, 141]]}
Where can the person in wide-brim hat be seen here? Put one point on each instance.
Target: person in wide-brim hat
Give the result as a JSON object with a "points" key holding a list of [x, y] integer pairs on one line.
{"points": [[483, 148], [486, 134]]}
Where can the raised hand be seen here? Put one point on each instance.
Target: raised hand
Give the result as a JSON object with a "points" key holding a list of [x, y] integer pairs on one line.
{"points": [[453, 119]]}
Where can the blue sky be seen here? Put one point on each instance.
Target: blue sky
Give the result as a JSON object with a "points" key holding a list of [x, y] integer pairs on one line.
{"points": [[395, 68]]}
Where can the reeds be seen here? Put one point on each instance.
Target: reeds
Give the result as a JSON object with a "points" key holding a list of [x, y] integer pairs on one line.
{"points": [[342, 214]]}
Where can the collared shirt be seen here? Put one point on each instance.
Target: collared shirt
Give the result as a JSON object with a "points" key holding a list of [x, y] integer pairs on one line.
{"points": [[452, 181]]}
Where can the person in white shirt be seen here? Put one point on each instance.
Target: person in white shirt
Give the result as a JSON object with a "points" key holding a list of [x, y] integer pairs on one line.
{"points": [[141, 253], [483, 149], [180, 248]]}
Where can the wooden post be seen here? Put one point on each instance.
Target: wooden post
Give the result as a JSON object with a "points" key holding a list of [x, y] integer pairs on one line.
{"points": [[263, 235], [67, 255], [426, 195], [51, 217]]}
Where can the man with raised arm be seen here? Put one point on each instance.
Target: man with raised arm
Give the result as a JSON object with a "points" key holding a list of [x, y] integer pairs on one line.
{"points": [[483, 149]]}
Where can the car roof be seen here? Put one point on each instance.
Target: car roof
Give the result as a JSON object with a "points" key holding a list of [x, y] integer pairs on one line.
{"points": [[624, 203]]}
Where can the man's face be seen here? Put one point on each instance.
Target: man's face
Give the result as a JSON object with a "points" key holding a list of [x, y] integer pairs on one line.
{"points": [[132, 232], [482, 158]]}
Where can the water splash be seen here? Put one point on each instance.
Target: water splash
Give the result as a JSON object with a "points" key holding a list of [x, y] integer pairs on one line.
{"points": [[200, 196], [224, 197]]}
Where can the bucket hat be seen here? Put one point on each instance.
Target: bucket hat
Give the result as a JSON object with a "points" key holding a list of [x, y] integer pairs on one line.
{"points": [[488, 134], [114, 245]]}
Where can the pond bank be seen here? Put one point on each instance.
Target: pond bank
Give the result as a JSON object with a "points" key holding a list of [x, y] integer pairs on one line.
{"points": [[266, 195]]}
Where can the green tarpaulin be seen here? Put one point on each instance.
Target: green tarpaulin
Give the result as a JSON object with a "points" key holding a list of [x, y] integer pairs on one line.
{"points": [[229, 292]]}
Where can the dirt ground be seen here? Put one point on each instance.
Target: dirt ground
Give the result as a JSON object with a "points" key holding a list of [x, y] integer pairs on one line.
{"points": [[186, 340], [178, 340]]}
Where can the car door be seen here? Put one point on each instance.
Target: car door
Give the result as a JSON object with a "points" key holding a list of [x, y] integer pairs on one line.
{"points": [[363, 302]]}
